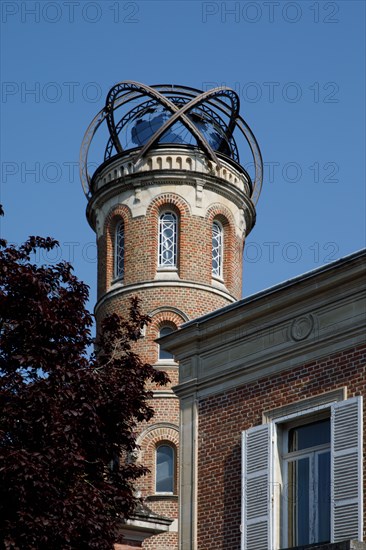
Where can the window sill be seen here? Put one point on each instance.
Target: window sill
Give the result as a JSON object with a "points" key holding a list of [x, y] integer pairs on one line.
{"points": [[164, 363], [118, 281], [345, 545], [167, 274], [162, 496], [218, 283], [167, 268]]}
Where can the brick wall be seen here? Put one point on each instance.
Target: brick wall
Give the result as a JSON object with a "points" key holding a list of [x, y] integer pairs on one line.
{"points": [[223, 417], [166, 541], [127, 545], [190, 301], [194, 245]]}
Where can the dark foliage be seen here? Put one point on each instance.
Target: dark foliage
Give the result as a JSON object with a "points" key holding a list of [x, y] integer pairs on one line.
{"points": [[65, 418]]}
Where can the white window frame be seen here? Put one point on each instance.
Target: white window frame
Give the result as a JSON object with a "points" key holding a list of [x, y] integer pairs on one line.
{"points": [[218, 273], [262, 475], [170, 359], [285, 458], [162, 264]]}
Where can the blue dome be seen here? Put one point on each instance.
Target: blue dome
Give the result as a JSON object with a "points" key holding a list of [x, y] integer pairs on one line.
{"points": [[143, 125]]}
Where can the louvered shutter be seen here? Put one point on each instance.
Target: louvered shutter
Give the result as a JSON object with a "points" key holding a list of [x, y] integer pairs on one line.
{"points": [[346, 470], [256, 488]]}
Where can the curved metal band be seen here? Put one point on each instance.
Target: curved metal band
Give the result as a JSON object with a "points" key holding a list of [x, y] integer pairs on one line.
{"points": [[179, 99], [84, 150], [217, 103], [177, 113], [130, 89], [88, 137], [257, 157]]}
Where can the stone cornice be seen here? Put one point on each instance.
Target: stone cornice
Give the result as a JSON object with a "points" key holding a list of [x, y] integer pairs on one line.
{"points": [[175, 177], [231, 374], [156, 284], [269, 306], [302, 320]]}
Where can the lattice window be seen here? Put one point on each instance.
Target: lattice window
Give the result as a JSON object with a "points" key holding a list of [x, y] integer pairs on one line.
{"points": [[119, 251], [168, 240], [217, 249]]}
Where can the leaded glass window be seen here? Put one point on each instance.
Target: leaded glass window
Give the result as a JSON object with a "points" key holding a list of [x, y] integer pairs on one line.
{"points": [[217, 238], [119, 251], [168, 240]]}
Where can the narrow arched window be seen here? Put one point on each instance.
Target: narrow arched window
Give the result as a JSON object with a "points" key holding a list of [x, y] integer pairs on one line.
{"points": [[217, 249], [168, 240], [165, 463], [119, 251], [164, 354]]}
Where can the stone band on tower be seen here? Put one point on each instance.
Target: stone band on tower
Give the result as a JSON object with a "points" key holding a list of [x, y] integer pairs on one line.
{"points": [[171, 207]]}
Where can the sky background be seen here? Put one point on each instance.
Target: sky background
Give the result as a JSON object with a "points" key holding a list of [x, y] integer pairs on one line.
{"points": [[299, 70]]}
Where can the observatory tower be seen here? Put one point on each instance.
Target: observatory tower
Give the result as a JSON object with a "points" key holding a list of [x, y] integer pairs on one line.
{"points": [[171, 206]]}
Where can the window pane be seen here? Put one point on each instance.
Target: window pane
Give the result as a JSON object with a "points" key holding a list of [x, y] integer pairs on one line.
{"points": [[308, 506], [163, 354], [310, 435], [298, 502], [167, 240], [164, 469], [323, 497]]}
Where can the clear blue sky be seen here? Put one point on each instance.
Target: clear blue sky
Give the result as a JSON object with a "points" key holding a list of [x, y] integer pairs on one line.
{"points": [[299, 69]]}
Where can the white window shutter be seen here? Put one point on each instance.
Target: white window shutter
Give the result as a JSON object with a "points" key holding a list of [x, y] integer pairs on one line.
{"points": [[257, 488], [346, 470]]}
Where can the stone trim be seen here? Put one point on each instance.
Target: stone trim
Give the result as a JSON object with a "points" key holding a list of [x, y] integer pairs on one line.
{"points": [[139, 181], [326, 398], [153, 427], [164, 394], [170, 159], [169, 309], [346, 545], [168, 201], [113, 292], [161, 496], [188, 474]]}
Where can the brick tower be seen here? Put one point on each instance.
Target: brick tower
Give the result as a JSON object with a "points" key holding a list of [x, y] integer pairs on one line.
{"points": [[171, 207]]}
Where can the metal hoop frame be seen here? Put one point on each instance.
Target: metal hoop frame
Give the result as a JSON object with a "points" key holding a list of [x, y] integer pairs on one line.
{"points": [[180, 101]]}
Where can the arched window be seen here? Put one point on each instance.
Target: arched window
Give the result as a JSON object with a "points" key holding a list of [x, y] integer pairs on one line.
{"points": [[164, 354], [168, 240], [165, 465], [119, 251], [217, 249]]}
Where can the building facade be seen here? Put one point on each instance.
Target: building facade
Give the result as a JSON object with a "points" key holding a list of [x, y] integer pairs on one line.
{"points": [[171, 207], [272, 418], [261, 429]]}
